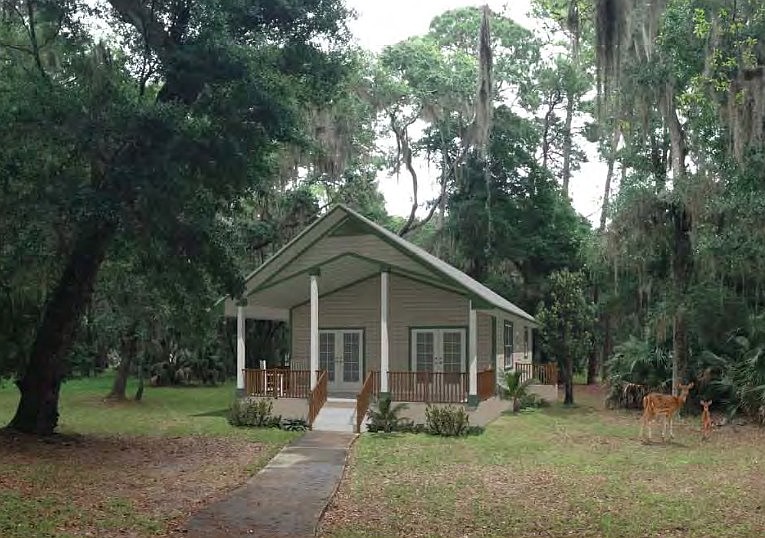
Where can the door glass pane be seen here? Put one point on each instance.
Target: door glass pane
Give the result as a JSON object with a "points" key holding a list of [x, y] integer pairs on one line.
{"points": [[425, 346], [327, 354], [351, 357], [508, 338], [452, 351]]}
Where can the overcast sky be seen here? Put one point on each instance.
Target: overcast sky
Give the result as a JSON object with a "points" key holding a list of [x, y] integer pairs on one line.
{"points": [[385, 22]]}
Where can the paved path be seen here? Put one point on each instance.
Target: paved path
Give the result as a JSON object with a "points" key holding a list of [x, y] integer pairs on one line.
{"points": [[337, 415], [286, 498]]}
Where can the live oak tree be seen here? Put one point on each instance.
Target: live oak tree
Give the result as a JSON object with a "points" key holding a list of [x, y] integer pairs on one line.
{"points": [[149, 135], [430, 84]]}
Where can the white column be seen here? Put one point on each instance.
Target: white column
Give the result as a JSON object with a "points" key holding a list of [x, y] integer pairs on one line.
{"points": [[240, 350], [384, 358], [472, 356], [314, 330]]}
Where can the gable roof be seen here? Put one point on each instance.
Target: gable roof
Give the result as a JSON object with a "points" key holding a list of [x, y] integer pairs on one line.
{"points": [[458, 277], [341, 213]]}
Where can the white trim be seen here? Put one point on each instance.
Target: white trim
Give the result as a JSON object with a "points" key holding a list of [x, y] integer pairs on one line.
{"points": [[472, 352], [240, 349], [384, 344], [257, 312], [314, 330]]}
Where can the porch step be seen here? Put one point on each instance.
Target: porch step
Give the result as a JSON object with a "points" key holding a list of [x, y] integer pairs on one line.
{"points": [[341, 402], [336, 416]]}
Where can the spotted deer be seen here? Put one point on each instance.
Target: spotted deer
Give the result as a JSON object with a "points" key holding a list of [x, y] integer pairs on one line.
{"points": [[706, 420], [664, 405]]}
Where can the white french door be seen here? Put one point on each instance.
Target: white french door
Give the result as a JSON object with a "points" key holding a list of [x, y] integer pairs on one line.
{"points": [[438, 350], [341, 354]]}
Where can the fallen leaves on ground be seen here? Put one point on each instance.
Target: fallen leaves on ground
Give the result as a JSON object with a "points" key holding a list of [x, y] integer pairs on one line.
{"points": [[119, 486], [551, 473]]}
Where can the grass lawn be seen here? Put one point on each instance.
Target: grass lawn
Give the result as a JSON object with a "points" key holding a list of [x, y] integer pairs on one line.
{"points": [[555, 472], [125, 469]]}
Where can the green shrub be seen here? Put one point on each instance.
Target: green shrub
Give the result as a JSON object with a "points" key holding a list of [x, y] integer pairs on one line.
{"points": [[637, 367], [411, 427], [475, 430], [293, 424], [383, 417], [447, 421], [252, 412], [512, 388], [256, 413], [532, 401]]}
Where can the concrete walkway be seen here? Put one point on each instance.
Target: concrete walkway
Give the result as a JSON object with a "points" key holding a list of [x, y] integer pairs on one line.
{"points": [[286, 498], [337, 415]]}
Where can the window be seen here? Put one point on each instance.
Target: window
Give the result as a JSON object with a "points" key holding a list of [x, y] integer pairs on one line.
{"points": [[526, 339], [508, 341]]}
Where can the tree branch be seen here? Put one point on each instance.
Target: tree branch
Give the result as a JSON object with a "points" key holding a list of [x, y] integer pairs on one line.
{"points": [[135, 13], [419, 224], [405, 155]]}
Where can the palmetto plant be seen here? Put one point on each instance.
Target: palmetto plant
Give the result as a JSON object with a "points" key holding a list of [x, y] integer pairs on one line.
{"points": [[384, 416], [514, 388], [637, 367], [741, 385]]}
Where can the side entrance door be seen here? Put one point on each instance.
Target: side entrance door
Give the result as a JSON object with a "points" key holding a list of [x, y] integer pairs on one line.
{"points": [[438, 350], [341, 354]]}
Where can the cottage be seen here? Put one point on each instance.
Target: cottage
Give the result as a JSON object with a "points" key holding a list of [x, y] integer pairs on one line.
{"points": [[370, 314]]}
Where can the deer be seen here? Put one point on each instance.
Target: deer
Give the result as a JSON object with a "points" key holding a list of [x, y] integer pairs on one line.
{"points": [[656, 404], [706, 420]]}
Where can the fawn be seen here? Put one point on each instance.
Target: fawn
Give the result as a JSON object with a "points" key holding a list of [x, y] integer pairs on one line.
{"points": [[665, 405], [706, 420]]}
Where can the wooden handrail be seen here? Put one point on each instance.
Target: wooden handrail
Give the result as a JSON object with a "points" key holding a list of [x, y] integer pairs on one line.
{"points": [[544, 374], [363, 398], [318, 397], [432, 387], [487, 382], [277, 383]]}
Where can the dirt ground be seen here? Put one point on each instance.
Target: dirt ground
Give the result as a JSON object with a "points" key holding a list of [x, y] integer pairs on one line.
{"points": [[117, 486]]}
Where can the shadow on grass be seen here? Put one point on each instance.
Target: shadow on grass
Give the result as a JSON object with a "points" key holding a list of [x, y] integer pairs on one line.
{"points": [[562, 410], [662, 444], [219, 413]]}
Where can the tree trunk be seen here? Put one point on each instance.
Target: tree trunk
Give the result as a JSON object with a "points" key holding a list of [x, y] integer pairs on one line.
{"points": [[567, 141], [569, 381], [37, 411], [139, 390], [570, 99], [592, 360], [682, 268], [127, 354], [616, 136], [592, 368], [120, 380], [607, 344], [682, 253]]}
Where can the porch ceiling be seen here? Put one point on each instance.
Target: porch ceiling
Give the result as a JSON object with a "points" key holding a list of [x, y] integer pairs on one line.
{"points": [[335, 274]]}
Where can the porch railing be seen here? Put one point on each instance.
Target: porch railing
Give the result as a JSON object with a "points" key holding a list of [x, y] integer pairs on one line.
{"points": [[545, 374], [317, 397], [435, 387], [362, 400], [277, 383], [487, 384]]}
